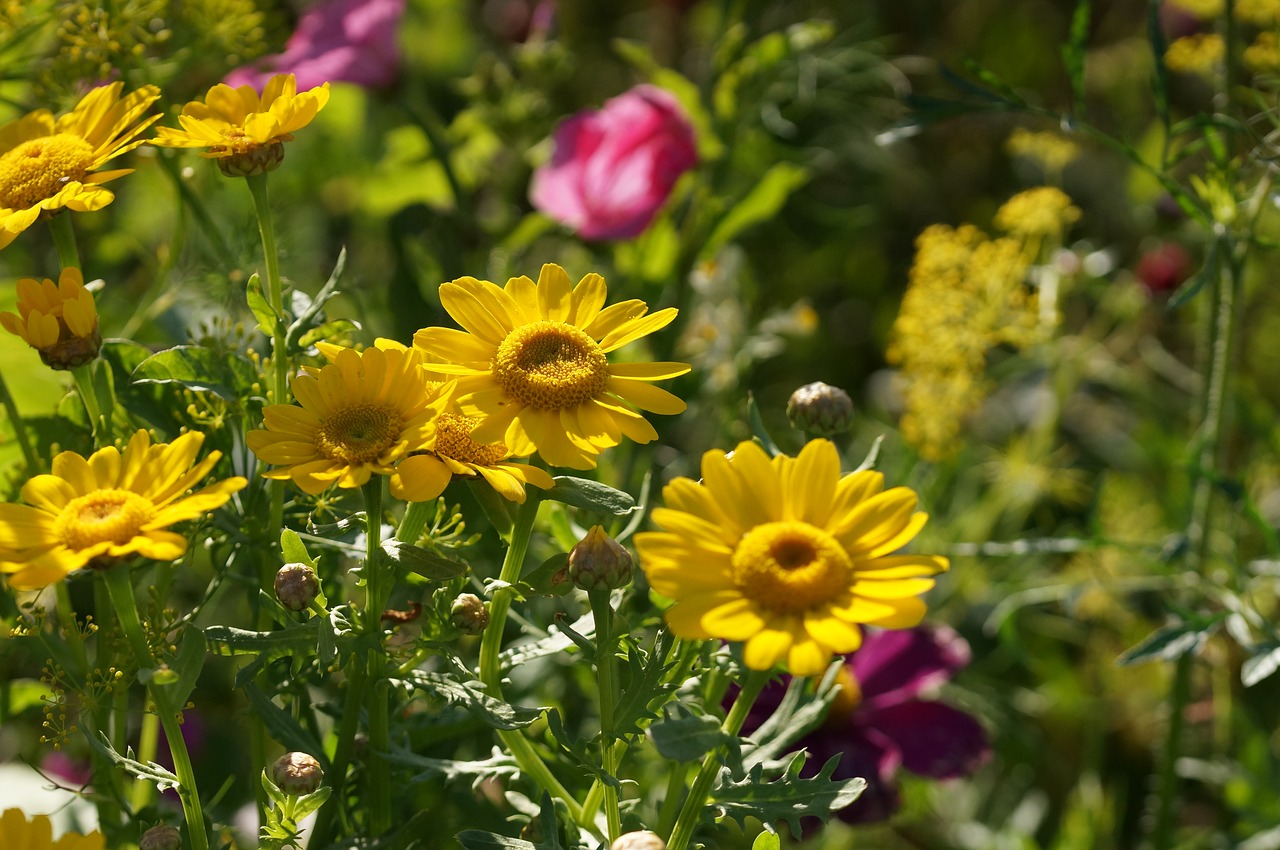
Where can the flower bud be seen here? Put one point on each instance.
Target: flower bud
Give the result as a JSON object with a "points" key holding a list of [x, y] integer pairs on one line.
{"points": [[296, 774], [296, 586], [58, 320], [469, 614], [641, 840], [820, 409], [599, 562], [162, 837]]}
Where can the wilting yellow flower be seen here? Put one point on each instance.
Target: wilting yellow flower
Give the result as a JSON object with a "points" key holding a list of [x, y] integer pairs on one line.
{"points": [[1201, 54], [17, 833], [58, 320], [110, 505], [244, 132], [363, 413], [532, 365], [786, 555], [47, 165]]}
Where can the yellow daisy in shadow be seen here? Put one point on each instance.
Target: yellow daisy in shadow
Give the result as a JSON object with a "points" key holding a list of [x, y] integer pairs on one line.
{"points": [[90, 511], [47, 165], [786, 555], [59, 320], [364, 413], [243, 130], [531, 365], [17, 833]]}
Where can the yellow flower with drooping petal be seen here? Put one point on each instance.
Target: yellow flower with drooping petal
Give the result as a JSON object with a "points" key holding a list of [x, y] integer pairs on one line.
{"points": [[47, 165], [17, 833], [364, 413], [91, 511], [786, 555], [532, 365], [59, 320], [245, 132]]}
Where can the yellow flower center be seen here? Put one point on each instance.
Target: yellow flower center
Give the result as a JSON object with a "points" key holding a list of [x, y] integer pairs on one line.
{"points": [[847, 700], [358, 434], [453, 440], [39, 168], [790, 567], [550, 366], [103, 516]]}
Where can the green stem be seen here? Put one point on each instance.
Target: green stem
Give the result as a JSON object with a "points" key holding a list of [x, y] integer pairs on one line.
{"points": [[192, 201], [19, 428], [120, 589], [342, 752], [414, 521], [377, 590], [491, 645], [605, 644], [147, 739], [64, 240], [713, 763], [101, 426]]}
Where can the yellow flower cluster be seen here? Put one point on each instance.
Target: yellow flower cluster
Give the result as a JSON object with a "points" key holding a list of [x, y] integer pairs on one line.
{"points": [[1263, 56], [1050, 150], [1203, 9], [1200, 54], [967, 293], [1261, 13]]}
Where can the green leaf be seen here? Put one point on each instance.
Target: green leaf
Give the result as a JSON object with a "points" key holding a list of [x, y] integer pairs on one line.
{"points": [[684, 736], [1263, 661], [788, 798], [762, 203], [309, 317], [873, 454], [1171, 642], [1073, 52], [282, 726], [548, 578], [424, 562], [643, 687], [189, 664], [227, 375], [258, 305], [767, 841], [230, 640], [471, 696], [500, 764], [552, 644], [478, 839], [328, 330], [149, 771], [758, 429], [1208, 272], [294, 550], [590, 495]]}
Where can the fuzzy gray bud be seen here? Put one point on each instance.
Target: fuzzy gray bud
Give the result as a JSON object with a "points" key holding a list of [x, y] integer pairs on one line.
{"points": [[296, 586], [599, 562], [820, 409], [296, 774], [641, 840], [162, 837], [469, 614]]}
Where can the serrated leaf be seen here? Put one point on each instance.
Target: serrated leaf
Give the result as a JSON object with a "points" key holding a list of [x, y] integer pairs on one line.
{"points": [[226, 375], [424, 562], [1171, 642], [789, 797], [355, 522], [762, 203], [590, 495], [259, 306], [684, 736], [149, 771], [644, 685], [552, 644], [230, 640], [500, 764], [471, 696]]}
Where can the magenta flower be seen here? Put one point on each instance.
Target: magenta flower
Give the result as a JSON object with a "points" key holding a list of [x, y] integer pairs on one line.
{"points": [[614, 168], [337, 41], [878, 724]]}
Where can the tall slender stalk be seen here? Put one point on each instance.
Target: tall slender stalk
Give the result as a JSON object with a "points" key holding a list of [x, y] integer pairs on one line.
{"points": [[19, 428], [605, 643], [64, 240], [377, 591]]}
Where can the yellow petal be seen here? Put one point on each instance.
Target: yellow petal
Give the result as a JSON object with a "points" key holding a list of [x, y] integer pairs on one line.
{"points": [[810, 484], [807, 657], [646, 396], [554, 293], [588, 297], [875, 521], [420, 478], [766, 648], [467, 310], [637, 328], [648, 371]]}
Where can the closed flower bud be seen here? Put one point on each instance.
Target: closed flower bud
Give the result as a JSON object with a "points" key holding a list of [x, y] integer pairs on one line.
{"points": [[599, 562], [296, 586], [296, 774], [162, 837], [469, 614], [641, 840], [820, 409], [59, 320], [253, 161]]}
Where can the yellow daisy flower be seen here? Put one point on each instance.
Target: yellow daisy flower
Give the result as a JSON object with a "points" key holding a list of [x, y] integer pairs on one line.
{"points": [[245, 132], [17, 833], [47, 164], [58, 320], [786, 555], [363, 413], [532, 367], [111, 505]]}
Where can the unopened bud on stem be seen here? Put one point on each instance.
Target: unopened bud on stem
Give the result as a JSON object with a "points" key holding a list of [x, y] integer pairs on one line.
{"points": [[296, 586], [641, 840], [820, 409], [296, 774], [162, 837], [469, 614], [599, 562]]}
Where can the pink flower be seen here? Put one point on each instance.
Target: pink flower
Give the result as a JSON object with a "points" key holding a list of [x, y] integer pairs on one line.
{"points": [[613, 168], [337, 41]]}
